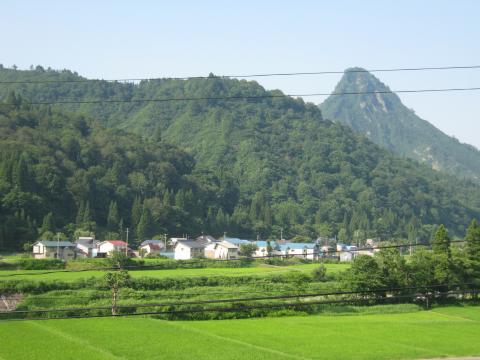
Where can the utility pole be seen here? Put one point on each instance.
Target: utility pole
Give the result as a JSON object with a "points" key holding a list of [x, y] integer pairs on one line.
{"points": [[58, 245], [126, 247], [165, 241], [224, 235], [281, 234]]}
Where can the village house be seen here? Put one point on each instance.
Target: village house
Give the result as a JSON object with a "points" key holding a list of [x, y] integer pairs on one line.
{"points": [[44, 249], [106, 248], [209, 243], [151, 247], [223, 250], [188, 249], [262, 248], [305, 250], [174, 240], [87, 247]]}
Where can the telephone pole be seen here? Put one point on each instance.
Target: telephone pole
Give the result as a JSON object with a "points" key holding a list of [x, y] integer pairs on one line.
{"points": [[58, 245], [126, 247]]}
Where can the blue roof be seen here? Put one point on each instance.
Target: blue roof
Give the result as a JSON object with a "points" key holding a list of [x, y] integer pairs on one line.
{"points": [[263, 243], [237, 241], [297, 246]]}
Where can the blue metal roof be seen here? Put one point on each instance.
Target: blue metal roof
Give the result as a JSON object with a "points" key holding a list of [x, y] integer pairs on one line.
{"points": [[237, 241], [297, 246]]}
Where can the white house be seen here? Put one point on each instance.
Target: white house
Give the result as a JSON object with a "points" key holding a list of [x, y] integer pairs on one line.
{"points": [[110, 246], [151, 248], [305, 250], [188, 249], [346, 256], [64, 250], [175, 240], [262, 248], [87, 246], [225, 250]]}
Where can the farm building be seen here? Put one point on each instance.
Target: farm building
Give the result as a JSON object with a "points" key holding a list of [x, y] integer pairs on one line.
{"points": [[305, 250], [262, 248], [188, 249], [106, 248], [87, 247], [64, 250], [225, 250], [151, 248]]}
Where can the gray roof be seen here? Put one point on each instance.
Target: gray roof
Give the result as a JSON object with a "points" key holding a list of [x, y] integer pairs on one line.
{"points": [[158, 242], [88, 243], [56, 243], [227, 245], [191, 244]]}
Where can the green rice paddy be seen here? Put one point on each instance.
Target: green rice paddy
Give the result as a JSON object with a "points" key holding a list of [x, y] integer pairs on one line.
{"points": [[167, 273], [441, 332]]}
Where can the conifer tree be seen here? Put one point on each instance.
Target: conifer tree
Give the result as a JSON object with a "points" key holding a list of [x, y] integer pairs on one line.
{"points": [[144, 226], [136, 211], [472, 237], [441, 241], [113, 217], [47, 225]]}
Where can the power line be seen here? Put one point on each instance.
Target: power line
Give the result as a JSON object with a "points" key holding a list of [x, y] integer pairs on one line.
{"points": [[243, 308], [245, 76], [235, 300], [240, 97], [306, 254]]}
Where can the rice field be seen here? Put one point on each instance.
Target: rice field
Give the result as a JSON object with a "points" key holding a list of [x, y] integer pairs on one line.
{"points": [[441, 332], [167, 273]]}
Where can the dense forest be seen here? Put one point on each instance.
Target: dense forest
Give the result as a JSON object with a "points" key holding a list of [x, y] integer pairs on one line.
{"points": [[64, 173], [247, 166], [388, 123]]}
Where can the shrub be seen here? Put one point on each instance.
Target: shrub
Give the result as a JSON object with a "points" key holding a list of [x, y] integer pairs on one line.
{"points": [[39, 264], [320, 273]]}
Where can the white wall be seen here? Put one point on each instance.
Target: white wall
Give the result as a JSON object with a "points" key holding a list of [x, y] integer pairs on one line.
{"points": [[182, 252]]}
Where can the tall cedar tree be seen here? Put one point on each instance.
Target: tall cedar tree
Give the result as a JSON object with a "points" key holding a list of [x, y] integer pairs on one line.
{"points": [[472, 238], [441, 241]]}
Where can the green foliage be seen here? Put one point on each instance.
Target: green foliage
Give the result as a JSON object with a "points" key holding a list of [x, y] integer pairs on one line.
{"points": [[248, 167], [120, 260], [364, 275], [441, 241], [320, 273], [248, 249], [472, 249]]}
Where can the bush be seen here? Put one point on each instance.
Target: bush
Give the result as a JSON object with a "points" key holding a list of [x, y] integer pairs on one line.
{"points": [[39, 264], [320, 273]]}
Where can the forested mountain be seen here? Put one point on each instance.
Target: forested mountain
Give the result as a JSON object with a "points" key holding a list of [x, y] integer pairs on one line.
{"points": [[387, 122], [65, 173], [254, 165]]}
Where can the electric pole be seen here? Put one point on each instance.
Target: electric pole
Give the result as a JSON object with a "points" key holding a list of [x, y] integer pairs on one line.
{"points": [[126, 247], [58, 245]]}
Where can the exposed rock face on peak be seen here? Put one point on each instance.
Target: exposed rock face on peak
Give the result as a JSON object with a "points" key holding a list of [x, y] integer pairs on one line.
{"points": [[384, 119]]}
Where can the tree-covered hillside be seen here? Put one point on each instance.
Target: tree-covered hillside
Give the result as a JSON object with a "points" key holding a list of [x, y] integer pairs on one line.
{"points": [[260, 164], [63, 172], [387, 122]]}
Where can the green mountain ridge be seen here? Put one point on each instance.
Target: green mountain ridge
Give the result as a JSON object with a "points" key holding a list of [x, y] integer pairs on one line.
{"points": [[260, 165], [387, 122]]}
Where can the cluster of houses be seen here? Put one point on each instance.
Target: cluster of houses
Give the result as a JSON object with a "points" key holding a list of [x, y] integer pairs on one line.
{"points": [[204, 246]]}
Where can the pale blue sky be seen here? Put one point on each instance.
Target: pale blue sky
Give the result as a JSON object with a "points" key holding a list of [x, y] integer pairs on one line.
{"points": [[124, 39]]}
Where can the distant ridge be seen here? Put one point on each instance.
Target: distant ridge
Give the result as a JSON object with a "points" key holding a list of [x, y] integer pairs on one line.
{"points": [[387, 122]]}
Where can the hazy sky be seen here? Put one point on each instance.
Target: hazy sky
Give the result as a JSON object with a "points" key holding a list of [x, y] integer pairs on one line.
{"points": [[124, 39]]}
